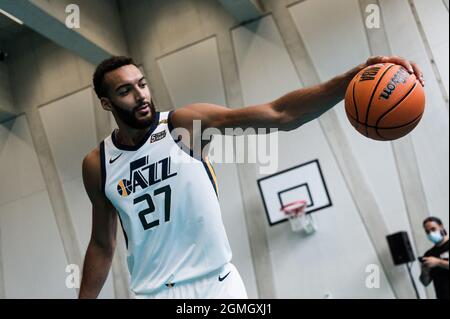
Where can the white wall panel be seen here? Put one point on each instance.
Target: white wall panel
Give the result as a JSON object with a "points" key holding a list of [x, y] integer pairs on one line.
{"points": [[19, 163], [70, 127], [431, 137], [255, 45], [32, 253], [340, 34], [80, 208], [433, 15], [197, 65], [342, 24], [33, 257], [315, 266]]}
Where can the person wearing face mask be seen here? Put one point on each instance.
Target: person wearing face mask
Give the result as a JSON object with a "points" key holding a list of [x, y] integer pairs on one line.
{"points": [[435, 260]]}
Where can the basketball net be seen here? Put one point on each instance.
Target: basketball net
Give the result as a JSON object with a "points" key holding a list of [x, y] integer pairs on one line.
{"points": [[296, 213]]}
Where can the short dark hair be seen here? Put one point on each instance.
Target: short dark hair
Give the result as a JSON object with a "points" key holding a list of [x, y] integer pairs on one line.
{"points": [[432, 219], [106, 66]]}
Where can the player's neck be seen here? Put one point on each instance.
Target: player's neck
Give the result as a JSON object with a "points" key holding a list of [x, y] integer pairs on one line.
{"points": [[129, 136]]}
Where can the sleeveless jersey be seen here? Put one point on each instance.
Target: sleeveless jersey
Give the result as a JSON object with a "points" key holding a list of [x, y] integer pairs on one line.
{"points": [[168, 206]]}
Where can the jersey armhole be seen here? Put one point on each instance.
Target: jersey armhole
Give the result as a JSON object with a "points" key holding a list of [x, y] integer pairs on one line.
{"points": [[183, 146], [102, 165], [205, 161], [169, 121]]}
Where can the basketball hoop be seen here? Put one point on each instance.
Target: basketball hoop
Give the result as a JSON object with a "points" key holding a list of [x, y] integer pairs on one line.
{"points": [[296, 213]]}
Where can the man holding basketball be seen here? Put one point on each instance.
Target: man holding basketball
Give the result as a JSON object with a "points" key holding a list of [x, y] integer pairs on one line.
{"points": [[168, 207]]}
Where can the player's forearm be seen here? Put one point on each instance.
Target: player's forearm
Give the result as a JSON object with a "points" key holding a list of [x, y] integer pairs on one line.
{"points": [[304, 105], [95, 270]]}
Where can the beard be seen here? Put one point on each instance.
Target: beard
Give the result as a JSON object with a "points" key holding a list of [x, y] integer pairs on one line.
{"points": [[129, 117]]}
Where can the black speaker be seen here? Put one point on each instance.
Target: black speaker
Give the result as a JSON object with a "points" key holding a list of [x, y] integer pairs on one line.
{"points": [[401, 249]]}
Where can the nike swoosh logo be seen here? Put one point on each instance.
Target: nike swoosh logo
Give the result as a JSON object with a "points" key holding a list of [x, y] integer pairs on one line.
{"points": [[113, 160], [223, 278]]}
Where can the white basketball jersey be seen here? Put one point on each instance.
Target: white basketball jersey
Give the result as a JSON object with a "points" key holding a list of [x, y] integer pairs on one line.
{"points": [[168, 207]]}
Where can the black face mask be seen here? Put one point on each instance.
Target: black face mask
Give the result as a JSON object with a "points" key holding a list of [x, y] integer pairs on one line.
{"points": [[129, 117]]}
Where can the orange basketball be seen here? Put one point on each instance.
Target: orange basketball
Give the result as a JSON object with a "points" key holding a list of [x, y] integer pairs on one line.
{"points": [[384, 102]]}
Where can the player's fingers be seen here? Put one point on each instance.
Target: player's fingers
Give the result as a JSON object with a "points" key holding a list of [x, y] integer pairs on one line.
{"points": [[418, 72], [391, 59], [403, 62]]}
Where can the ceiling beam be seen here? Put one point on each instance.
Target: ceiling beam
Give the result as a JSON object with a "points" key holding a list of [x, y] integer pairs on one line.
{"points": [[50, 27], [243, 10]]}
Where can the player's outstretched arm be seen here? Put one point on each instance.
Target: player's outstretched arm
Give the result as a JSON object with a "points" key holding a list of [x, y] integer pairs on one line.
{"points": [[101, 247], [287, 112]]}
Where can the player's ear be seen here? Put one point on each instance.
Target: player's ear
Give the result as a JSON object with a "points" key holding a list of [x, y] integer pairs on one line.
{"points": [[106, 104]]}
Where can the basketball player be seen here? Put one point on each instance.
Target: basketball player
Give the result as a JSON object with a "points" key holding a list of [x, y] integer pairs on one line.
{"points": [[169, 210]]}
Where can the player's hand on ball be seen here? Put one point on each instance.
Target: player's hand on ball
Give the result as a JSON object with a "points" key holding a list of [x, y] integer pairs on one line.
{"points": [[411, 66], [385, 100]]}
